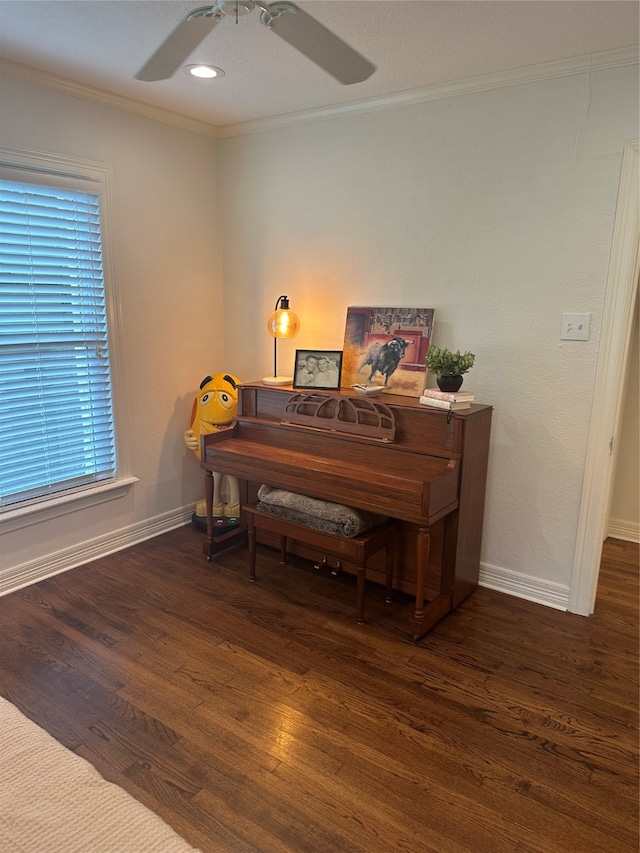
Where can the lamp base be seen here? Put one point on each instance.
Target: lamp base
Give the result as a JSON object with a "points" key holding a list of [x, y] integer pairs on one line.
{"points": [[278, 380]]}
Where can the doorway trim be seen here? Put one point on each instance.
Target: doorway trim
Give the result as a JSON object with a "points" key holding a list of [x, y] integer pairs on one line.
{"points": [[622, 285]]}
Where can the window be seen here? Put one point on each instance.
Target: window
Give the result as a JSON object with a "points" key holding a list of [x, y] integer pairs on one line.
{"points": [[57, 425]]}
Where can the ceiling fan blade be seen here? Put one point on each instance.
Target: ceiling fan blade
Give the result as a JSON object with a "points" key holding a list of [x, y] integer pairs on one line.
{"points": [[317, 43], [180, 44]]}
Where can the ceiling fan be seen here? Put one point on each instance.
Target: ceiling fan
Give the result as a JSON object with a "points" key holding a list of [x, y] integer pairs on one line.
{"points": [[284, 19]]}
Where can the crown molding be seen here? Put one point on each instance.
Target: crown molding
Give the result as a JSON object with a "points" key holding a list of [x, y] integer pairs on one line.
{"points": [[617, 58], [29, 74]]}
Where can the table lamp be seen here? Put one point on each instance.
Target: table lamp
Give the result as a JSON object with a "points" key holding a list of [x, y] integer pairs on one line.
{"points": [[282, 323]]}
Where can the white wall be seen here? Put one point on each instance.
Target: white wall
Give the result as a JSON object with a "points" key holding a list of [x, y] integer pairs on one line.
{"points": [[168, 270], [497, 210]]}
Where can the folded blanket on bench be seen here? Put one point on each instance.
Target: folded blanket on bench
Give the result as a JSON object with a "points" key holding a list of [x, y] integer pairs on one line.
{"points": [[328, 517]]}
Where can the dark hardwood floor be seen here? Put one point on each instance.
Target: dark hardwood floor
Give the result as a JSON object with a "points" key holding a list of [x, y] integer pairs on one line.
{"points": [[263, 718]]}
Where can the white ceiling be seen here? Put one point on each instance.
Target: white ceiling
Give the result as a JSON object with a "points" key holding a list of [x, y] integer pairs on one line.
{"points": [[414, 44]]}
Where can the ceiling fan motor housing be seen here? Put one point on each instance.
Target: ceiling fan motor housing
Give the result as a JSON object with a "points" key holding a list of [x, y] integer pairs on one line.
{"points": [[236, 7], [223, 7]]}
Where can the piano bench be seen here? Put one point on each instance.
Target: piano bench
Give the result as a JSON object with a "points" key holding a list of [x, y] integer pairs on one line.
{"points": [[355, 549]]}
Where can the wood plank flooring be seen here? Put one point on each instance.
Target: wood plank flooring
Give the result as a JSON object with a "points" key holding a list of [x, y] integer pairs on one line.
{"points": [[263, 718]]}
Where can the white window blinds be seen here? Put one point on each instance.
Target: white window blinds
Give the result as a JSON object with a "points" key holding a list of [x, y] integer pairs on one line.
{"points": [[56, 413]]}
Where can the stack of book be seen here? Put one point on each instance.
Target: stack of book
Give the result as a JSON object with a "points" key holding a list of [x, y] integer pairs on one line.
{"points": [[451, 400]]}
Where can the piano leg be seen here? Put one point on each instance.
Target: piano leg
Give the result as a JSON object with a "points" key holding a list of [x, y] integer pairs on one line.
{"points": [[208, 497], [423, 544], [389, 554], [251, 541], [362, 583]]}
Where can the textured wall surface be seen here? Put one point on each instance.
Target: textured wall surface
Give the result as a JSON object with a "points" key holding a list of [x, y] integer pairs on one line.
{"points": [[167, 265], [497, 210]]}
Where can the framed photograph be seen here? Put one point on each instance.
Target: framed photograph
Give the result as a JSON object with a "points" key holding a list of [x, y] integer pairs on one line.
{"points": [[387, 347], [318, 368]]}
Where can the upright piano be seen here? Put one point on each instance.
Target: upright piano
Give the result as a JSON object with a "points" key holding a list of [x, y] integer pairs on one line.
{"points": [[391, 455]]}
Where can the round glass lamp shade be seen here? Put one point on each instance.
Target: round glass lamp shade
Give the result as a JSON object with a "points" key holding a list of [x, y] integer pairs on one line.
{"points": [[283, 323]]}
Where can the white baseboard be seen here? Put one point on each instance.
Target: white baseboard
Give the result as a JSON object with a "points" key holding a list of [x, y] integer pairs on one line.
{"points": [[493, 577], [540, 591], [627, 530], [69, 558]]}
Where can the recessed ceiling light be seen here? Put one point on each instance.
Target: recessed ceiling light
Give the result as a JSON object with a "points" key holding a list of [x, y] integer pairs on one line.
{"points": [[203, 71]]}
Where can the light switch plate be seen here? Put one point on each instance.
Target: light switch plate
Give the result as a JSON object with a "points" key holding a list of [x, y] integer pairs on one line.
{"points": [[575, 327]]}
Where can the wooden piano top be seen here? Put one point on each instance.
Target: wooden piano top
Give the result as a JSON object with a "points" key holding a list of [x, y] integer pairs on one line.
{"points": [[408, 469]]}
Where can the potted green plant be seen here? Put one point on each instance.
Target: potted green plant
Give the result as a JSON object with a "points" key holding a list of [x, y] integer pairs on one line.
{"points": [[448, 366]]}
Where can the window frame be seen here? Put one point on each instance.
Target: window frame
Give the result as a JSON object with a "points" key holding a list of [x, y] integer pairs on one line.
{"points": [[32, 166]]}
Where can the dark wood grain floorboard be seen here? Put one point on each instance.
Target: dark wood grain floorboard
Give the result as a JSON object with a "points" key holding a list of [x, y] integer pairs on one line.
{"points": [[262, 719]]}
